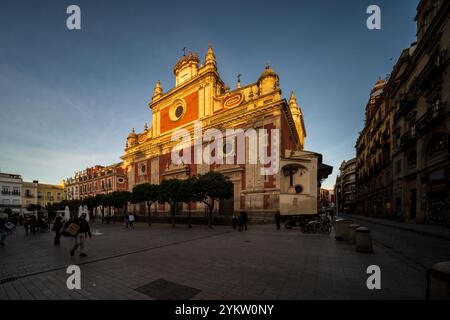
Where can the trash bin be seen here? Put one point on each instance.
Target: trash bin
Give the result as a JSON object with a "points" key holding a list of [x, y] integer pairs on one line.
{"points": [[363, 240], [341, 229], [439, 282], [352, 233]]}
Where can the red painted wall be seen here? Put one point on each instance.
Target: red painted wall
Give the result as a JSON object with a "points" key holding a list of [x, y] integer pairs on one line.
{"points": [[190, 115]]}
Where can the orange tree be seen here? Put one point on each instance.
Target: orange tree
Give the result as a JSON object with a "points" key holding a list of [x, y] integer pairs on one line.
{"points": [[210, 187], [147, 193]]}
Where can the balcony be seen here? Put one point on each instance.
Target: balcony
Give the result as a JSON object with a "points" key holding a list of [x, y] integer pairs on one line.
{"points": [[15, 193], [379, 144], [433, 69], [378, 123], [406, 140], [386, 134], [428, 119], [406, 104], [4, 192]]}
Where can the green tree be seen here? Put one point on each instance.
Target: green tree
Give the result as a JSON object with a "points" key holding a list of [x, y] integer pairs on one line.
{"points": [[107, 202], [189, 194], [170, 191], [148, 193], [213, 186], [120, 200]]}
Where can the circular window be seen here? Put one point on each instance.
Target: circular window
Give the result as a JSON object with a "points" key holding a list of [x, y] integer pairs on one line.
{"points": [[179, 111], [227, 148], [298, 189], [120, 180]]}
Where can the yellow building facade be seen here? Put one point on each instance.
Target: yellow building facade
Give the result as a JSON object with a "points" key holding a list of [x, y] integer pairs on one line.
{"points": [[41, 193]]}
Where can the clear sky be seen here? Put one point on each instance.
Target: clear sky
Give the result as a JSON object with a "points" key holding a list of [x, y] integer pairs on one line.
{"points": [[68, 99]]}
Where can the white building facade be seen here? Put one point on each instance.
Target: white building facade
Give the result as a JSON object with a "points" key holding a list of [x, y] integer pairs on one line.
{"points": [[10, 192]]}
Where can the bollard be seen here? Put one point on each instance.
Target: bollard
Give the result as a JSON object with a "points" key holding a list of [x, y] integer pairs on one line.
{"points": [[439, 282], [341, 229], [363, 240], [352, 233]]}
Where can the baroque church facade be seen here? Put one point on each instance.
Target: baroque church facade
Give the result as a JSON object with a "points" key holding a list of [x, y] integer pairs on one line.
{"points": [[201, 99]]}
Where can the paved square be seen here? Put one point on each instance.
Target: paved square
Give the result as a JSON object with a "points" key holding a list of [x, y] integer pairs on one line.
{"points": [[162, 289], [222, 263]]}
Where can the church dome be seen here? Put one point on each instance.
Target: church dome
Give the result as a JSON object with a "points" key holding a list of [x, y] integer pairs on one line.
{"points": [[132, 135], [268, 72], [378, 87]]}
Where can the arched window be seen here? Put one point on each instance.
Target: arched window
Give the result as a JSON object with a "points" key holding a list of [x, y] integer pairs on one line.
{"points": [[437, 146]]}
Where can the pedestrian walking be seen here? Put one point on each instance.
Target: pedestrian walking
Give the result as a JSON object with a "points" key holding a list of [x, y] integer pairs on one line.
{"points": [[33, 222], [234, 221], [57, 226], [40, 223], [131, 220], [2, 231], [126, 220], [240, 222], [26, 224], [244, 220], [278, 219], [81, 235]]}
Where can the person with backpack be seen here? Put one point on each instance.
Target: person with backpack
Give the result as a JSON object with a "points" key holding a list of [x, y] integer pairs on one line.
{"points": [[80, 235]]}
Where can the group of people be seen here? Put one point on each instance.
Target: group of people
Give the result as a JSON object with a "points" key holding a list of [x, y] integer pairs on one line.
{"points": [[128, 220], [33, 224], [77, 228], [240, 222]]}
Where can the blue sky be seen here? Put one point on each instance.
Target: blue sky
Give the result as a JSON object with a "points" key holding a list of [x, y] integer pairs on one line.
{"points": [[68, 99]]}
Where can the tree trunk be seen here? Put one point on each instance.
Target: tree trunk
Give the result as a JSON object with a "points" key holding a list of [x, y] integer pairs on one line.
{"points": [[172, 209], [189, 215], [149, 207], [210, 213]]}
